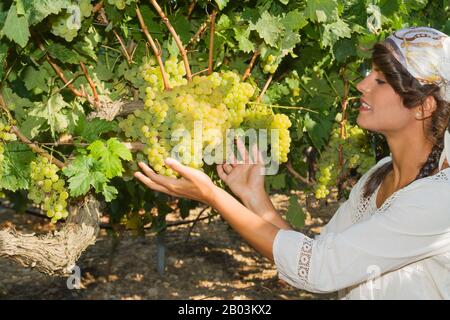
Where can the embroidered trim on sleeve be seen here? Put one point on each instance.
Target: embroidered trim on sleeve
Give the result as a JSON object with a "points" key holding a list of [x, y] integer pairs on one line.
{"points": [[305, 260]]}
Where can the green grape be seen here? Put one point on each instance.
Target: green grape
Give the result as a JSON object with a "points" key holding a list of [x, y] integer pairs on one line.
{"points": [[356, 154], [5, 136], [168, 122], [48, 189], [270, 64]]}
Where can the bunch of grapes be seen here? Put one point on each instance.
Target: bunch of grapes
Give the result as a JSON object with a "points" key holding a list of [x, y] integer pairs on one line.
{"points": [[47, 188], [192, 119], [121, 4], [270, 64], [67, 24], [262, 117], [5, 136], [356, 154], [175, 71]]}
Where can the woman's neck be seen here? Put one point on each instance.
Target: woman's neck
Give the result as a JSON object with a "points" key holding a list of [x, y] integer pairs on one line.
{"points": [[408, 156]]}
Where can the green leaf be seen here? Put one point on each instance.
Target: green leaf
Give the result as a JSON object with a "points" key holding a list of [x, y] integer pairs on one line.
{"points": [[294, 20], [222, 3], [35, 78], [285, 2], [3, 52], [335, 31], [64, 54], [30, 127], [289, 42], [92, 130], [269, 28], [53, 111], [83, 173], [243, 37], [321, 10], [295, 214], [16, 28], [109, 156], [14, 169], [38, 10], [109, 192]]}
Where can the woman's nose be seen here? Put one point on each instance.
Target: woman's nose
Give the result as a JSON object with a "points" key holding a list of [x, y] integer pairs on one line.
{"points": [[362, 86]]}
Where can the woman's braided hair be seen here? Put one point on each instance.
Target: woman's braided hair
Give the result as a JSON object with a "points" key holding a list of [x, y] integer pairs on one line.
{"points": [[413, 94]]}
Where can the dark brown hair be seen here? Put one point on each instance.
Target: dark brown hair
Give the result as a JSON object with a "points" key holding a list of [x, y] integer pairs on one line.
{"points": [[413, 94]]}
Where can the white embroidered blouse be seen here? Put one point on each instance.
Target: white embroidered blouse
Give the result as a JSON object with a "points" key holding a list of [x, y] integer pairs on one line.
{"points": [[398, 251]]}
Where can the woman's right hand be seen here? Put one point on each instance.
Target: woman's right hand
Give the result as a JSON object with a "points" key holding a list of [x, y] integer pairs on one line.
{"points": [[246, 180]]}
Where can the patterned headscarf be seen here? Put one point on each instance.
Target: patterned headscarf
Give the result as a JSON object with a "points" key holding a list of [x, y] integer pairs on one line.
{"points": [[425, 53]]}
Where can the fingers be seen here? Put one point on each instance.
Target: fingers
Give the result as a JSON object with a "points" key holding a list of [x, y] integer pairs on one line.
{"points": [[157, 178], [221, 172], [149, 183], [242, 150], [227, 168]]}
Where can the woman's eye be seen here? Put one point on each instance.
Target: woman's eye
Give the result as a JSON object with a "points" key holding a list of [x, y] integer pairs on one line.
{"points": [[379, 81]]}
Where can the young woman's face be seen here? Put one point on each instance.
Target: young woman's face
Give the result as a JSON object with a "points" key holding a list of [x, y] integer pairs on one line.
{"points": [[381, 109]]}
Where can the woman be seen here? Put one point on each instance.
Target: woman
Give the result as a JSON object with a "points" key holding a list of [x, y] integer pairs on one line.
{"points": [[391, 238]]}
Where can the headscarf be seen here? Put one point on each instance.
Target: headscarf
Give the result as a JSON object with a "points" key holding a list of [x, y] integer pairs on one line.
{"points": [[425, 53]]}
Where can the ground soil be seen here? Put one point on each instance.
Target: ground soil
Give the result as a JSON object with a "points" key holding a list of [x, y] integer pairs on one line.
{"points": [[213, 262]]}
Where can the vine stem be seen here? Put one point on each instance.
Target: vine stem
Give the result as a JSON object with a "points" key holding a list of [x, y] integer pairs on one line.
{"points": [[24, 139], [284, 107], [91, 83], [198, 34], [118, 37], [296, 175], [266, 86], [211, 41], [175, 36], [155, 49], [61, 75], [97, 7], [191, 8], [249, 69]]}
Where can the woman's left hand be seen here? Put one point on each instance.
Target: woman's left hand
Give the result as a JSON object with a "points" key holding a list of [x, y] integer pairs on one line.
{"points": [[194, 184]]}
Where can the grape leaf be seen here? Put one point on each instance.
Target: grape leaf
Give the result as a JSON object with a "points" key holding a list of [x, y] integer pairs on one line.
{"points": [[64, 54], [295, 214], [83, 173], [335, 31], [38, 10], [269, 28], [3, 52], [14, 169], [91, 130], [56, 111], [222, 3], [243, 37], [109, 156], [321, 10], [16, 28], [294, 20], [35, 78]]}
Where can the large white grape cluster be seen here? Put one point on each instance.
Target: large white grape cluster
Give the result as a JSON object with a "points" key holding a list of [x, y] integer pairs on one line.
{"points": [[217, 102]]}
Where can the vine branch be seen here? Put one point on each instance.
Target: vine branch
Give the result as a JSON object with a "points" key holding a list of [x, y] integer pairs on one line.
{"points": [[155, 49], [176, 38], [24, 139], [211, 41], [251, 64]]}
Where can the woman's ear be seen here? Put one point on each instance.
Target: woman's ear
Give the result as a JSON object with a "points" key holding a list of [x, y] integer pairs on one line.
{"points": [[426, 109]]}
